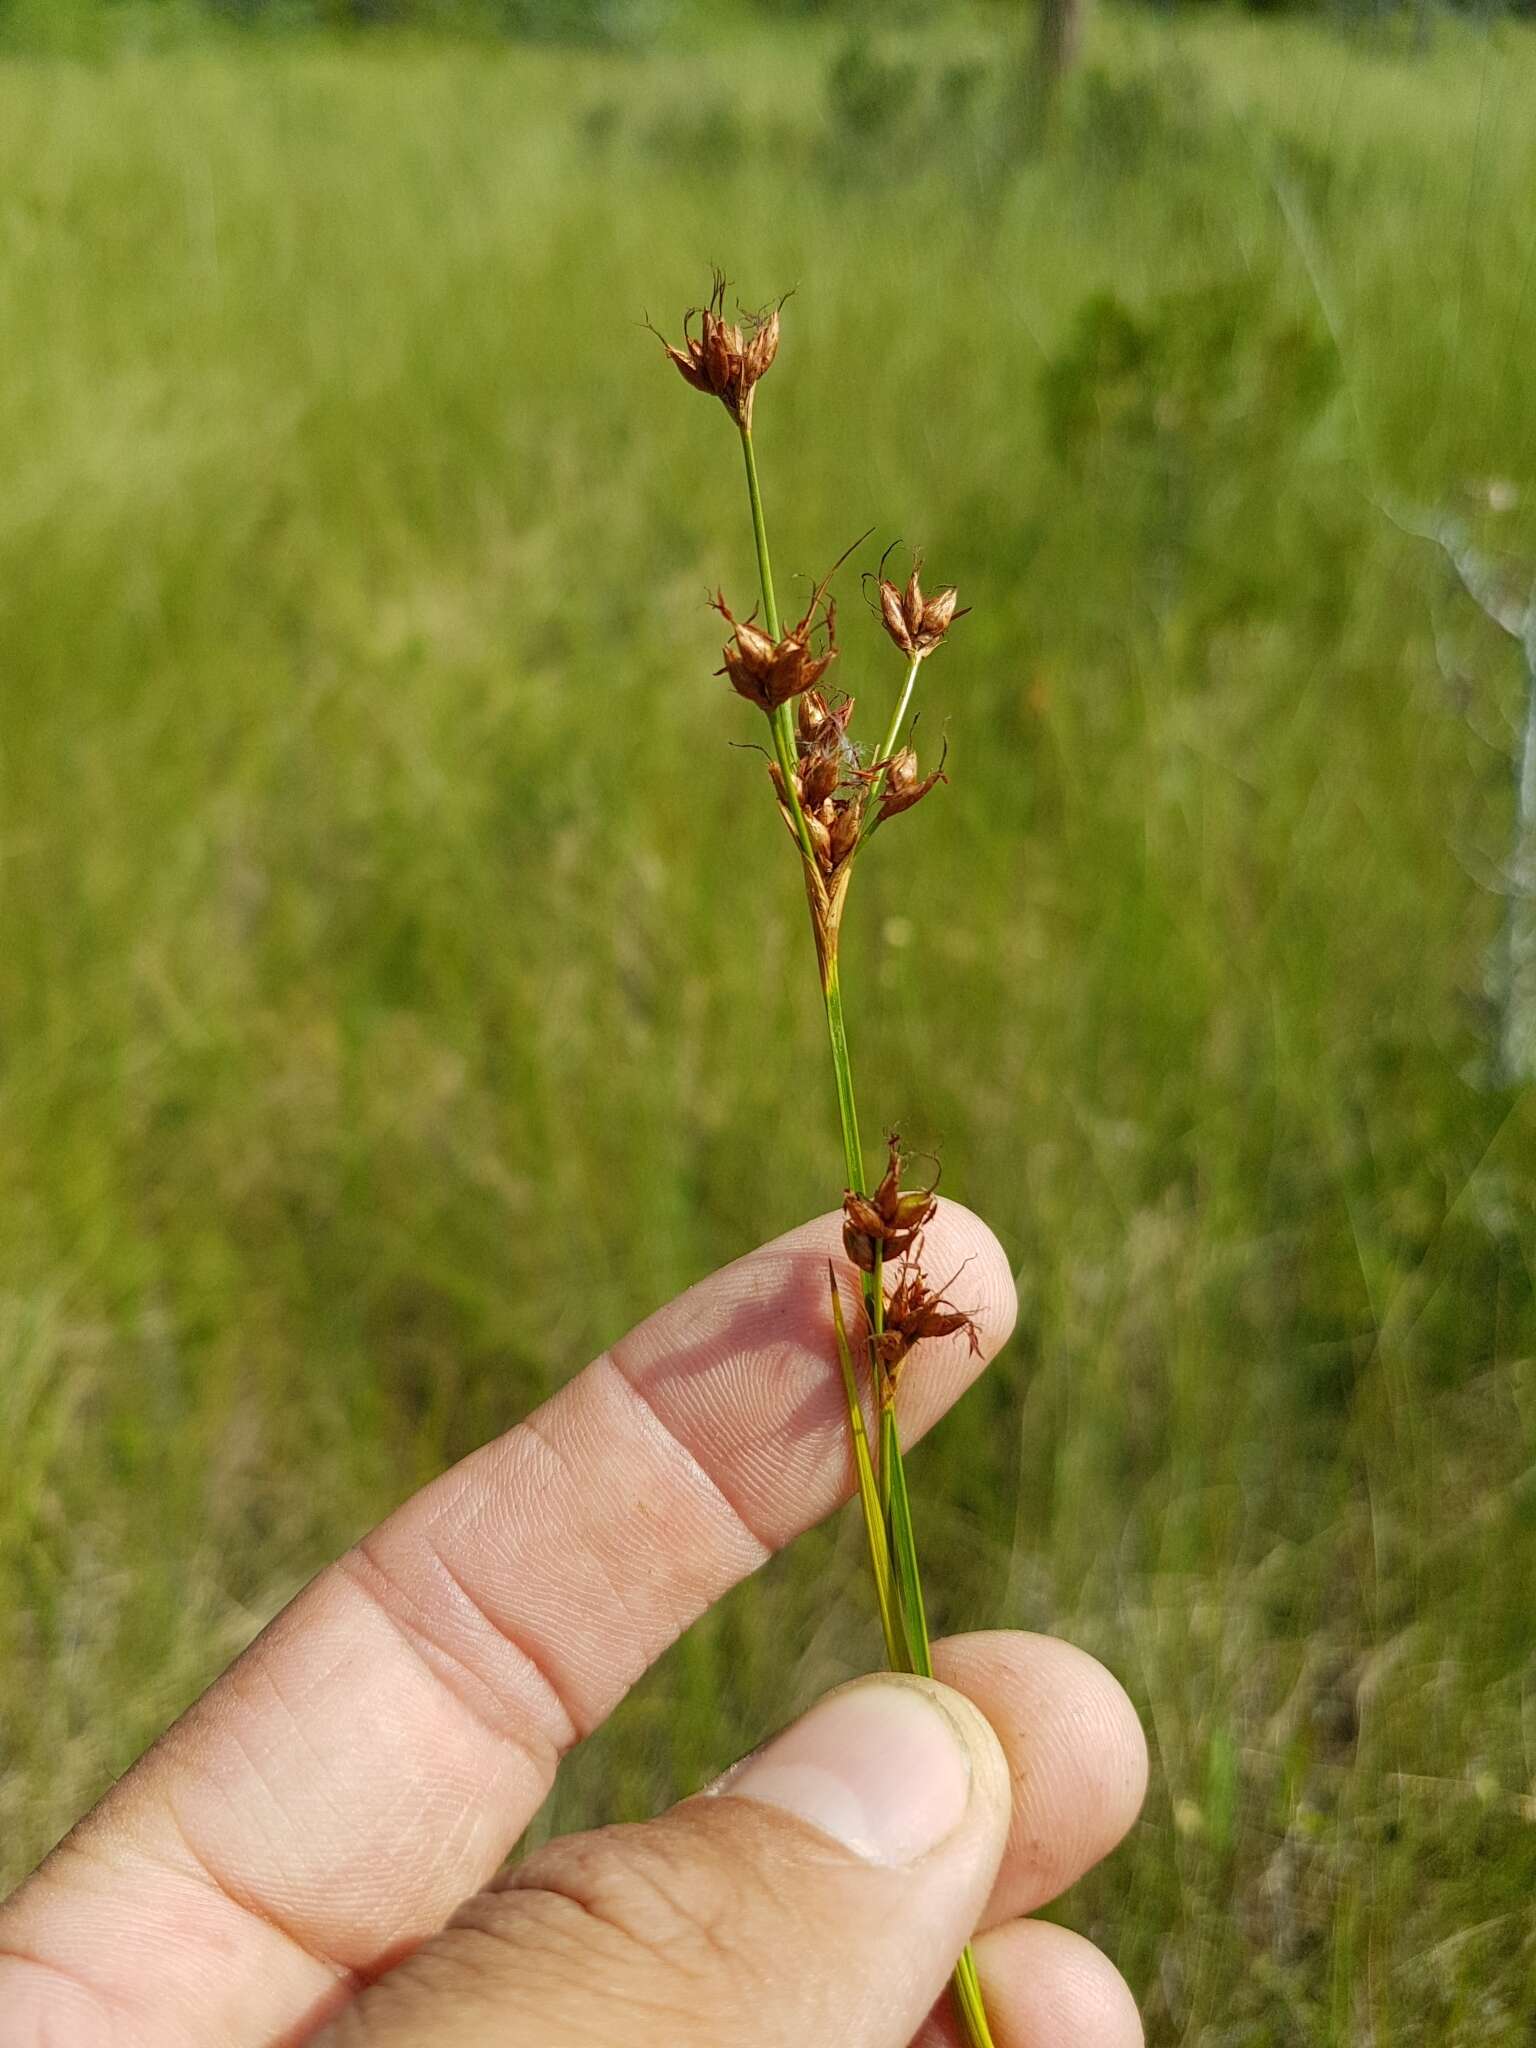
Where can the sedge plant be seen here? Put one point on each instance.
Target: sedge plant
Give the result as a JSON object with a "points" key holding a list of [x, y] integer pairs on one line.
{"points": [[834, 798]]}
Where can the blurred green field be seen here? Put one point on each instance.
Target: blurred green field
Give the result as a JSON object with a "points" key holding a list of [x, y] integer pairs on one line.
{"points": [[403, 984]]}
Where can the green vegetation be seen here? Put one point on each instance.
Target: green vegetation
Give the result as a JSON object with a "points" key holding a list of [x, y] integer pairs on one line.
{"points": [[376, 1033], [106, 24]]}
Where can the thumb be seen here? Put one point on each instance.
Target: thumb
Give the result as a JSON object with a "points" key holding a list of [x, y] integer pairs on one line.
{"points": [[820, 1892]]}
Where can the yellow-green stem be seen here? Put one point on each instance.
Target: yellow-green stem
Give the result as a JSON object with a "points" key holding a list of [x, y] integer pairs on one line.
{"points": [[891, 1624], [968, 2000], [903, 1545], [842, 1071], [853, 1163]]}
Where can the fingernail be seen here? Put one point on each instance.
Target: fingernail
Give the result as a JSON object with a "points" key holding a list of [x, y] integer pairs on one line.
{"points": [[880, 1767]]}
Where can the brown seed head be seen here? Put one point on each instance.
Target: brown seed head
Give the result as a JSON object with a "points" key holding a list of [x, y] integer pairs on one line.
{"points": [[832, 786], [822, 730], [914, 622], [903, 787], [860, 1247], [915, 1311], [761, 349], [722, 358], [817, 720], [769, 672], [939, 613], [885, 1224]]}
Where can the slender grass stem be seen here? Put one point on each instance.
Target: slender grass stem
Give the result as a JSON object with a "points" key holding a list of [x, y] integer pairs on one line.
{"points": [[898, 718], [869, 1494], [883, 1491], [842, 1070], [898, 1514], [968, 2000], [760, 535], [889, 745], [853, 1161]]}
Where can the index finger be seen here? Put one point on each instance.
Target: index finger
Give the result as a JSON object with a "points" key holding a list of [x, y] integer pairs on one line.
{"points": [[374, 1755]]}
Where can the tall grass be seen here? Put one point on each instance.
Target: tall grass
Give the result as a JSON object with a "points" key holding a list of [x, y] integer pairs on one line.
{"points": [[357, 1082]]}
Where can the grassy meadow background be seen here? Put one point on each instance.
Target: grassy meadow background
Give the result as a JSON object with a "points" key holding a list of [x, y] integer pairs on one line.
{"points": [[403, 984]]}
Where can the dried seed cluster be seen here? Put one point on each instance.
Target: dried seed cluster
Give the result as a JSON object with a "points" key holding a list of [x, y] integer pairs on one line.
{"points": [[916, 623], [886, 1225], [838, 794], [832, 798], [913, 1311], [726, 358], [769, 672], [831, 788], [835, 793]]}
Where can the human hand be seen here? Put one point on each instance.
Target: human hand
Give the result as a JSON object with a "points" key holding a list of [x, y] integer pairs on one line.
{"points": [[289, 1863]]}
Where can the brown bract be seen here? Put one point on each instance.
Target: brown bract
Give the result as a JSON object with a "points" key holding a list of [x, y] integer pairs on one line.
{"points": [[725, 358], [768, 672], [885, 1224], [916, 623]]}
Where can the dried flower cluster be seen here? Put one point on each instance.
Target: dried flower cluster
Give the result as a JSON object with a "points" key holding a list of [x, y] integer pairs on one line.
{"points": [[913, 1311], [769, 672], [831, 789], [888, 1224], [829, 785], [726, 359], [916, 623]]}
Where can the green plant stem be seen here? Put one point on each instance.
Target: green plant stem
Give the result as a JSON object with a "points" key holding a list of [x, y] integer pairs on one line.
{"points": [[847, 1107], [892, 1546], [903, 1543], [898, 718], [888, 748], [760, 535]]}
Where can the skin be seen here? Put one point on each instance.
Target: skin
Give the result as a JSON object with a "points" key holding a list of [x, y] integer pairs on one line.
{"points": [[311, 1853]]}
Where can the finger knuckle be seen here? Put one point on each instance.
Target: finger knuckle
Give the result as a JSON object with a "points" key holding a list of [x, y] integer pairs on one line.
{"points": [[638, 1898]]}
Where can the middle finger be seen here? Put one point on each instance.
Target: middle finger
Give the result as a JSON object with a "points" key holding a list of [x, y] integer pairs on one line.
{"points": [[1075, 1750]]}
